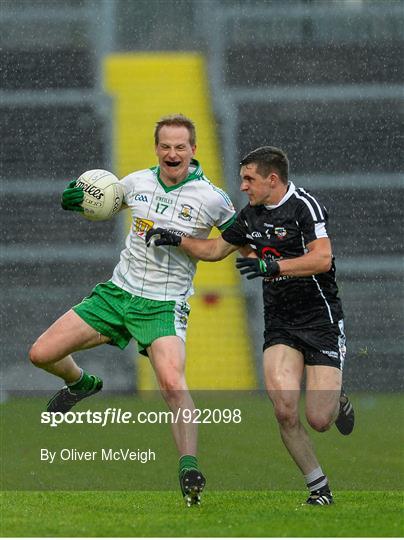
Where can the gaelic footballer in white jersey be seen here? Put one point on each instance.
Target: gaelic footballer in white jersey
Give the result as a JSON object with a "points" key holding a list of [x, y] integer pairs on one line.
{"points": [[191, 208]]}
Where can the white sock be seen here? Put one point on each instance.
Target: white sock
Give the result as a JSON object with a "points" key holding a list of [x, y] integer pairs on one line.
{"points": [[78, 380], [316, 479]]}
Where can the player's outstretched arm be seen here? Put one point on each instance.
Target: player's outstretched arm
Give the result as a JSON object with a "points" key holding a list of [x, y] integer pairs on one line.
{"points": [[316, 261], [214, 249], [72, 197]]}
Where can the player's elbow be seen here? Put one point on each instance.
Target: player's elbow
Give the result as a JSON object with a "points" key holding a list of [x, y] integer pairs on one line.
{"points": [[219, 256], [213, 255], [328, 263], [209, 257], [324, 263]]}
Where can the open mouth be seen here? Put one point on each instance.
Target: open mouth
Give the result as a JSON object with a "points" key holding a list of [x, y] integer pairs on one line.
{"points": [[172, 163]]}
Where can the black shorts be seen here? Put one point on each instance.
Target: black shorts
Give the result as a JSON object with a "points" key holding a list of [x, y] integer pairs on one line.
{"points": [[320, 346]]}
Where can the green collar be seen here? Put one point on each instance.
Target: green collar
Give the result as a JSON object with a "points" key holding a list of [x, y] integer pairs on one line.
{"points": [[195, 172]]}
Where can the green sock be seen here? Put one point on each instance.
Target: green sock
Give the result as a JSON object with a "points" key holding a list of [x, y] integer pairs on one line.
{"points": [[188, 462], [84, 384]]}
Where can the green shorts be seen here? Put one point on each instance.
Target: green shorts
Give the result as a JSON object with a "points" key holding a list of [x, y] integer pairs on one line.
{"points": [[121, 316]]}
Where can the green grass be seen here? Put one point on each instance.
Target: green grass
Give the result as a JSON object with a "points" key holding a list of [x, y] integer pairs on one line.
{"points": [[156, 514], [253, 487]]}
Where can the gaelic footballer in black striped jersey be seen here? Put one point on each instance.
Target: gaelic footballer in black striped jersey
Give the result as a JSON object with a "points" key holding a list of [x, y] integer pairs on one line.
{"points": [[282, 235], [282, 231]]}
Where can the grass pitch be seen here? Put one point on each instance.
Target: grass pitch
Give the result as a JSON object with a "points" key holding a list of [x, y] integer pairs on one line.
{"points": [[222, 514], [253, 488]]}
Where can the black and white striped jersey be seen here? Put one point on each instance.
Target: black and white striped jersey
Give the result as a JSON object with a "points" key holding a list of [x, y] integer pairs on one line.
{"points": [[282, 231]]}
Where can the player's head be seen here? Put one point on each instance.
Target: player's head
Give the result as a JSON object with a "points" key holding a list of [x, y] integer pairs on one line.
{"points": [[175, 145], [176, 120], [264, 174], [268, 159]]}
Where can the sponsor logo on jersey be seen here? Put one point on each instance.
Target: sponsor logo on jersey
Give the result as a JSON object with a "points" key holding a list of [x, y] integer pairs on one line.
{"points": [[176, 231], [186, 212], [165, 200], [280, 232], [256, 234], [277, 279], [270, 253], [269, 225], [141, 226], [140, 197]]}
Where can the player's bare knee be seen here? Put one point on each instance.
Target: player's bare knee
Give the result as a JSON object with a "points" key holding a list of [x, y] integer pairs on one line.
{"points": [[38, 356], [171, 385], [286, 416], [35, 354], [319, 422]]}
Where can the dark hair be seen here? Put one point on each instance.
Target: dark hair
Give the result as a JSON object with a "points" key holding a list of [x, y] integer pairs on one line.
{"points": [[176, 120], [268, 159]]}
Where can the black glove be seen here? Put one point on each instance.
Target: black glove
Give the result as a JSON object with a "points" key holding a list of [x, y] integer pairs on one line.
{"points": [[72, 197], [167, 238], [257, 267]]}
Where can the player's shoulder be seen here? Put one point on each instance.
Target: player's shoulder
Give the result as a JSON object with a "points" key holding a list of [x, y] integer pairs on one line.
{"points": [[307, 201], [142, 180], [141, 175], [206, 186], [303, 192], [252, 211]]}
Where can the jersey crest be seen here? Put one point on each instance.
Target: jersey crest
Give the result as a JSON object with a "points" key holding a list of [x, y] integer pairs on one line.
{"points": [[185, 212]]}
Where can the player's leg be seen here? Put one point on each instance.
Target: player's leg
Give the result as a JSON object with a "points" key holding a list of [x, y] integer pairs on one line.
{"points": [[96, 320], [160, 328], [326, 401], [52, 352], [167, 356], [283, 372], [70, 333], [323, 389]]}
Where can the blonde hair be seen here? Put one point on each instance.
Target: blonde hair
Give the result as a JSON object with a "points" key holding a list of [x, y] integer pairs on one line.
{"points": [[176, 120]]}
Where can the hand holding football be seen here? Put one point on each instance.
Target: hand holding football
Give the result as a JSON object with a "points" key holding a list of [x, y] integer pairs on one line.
{"points": [[103, 194]]}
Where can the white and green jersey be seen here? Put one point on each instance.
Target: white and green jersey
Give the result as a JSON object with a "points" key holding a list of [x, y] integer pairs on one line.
{"points": [[190, 208]]}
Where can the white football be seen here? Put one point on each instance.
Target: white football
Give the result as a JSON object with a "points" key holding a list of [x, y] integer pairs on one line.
{"points": [[103, 194]]}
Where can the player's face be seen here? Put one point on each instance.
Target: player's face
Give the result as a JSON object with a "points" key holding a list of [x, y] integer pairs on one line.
{"points": [[174, 152], [257, 188]]}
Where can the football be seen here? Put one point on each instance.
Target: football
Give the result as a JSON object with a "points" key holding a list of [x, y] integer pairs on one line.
{"points": [[103, 194]]}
